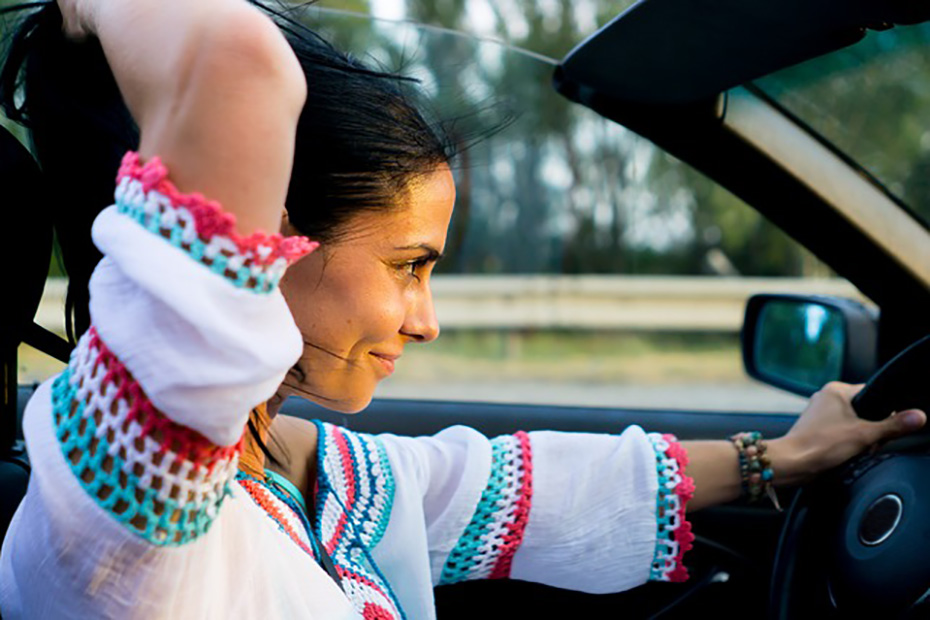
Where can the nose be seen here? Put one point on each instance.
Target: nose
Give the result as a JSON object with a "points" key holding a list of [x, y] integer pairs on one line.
{"points": [[421, 323]]}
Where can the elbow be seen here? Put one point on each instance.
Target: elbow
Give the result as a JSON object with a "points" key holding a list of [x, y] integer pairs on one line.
{"points": [[244, 49]]}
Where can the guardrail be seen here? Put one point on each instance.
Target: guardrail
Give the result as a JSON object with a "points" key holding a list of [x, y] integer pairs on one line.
{"points": [[580, 302]]}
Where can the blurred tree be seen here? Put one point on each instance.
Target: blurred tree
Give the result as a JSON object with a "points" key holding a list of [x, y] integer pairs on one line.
{"points": [[561, 190]]}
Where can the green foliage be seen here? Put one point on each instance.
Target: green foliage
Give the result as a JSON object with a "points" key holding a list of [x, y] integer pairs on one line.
{"points": [[872, 101], [561, 190], [558, 189]]}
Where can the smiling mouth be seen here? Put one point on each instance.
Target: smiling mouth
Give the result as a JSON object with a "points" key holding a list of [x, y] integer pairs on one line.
{"points": [[386, 361]]}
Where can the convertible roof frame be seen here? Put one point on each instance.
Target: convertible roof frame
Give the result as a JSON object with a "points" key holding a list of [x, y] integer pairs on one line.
{"points": [[681, 51]]}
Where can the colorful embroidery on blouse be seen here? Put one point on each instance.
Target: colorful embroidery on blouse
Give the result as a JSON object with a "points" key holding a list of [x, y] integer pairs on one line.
{"points": [[288, 520], [163, 481], [202, 229], [673, 536], [353, 502], [486, 549]]}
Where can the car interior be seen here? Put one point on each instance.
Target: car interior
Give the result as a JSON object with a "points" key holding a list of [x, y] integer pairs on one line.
{"points": [[667, 70]]}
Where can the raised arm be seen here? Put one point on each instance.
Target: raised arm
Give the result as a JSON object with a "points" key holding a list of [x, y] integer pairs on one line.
{"points": [[215, 90], [132, 509]]}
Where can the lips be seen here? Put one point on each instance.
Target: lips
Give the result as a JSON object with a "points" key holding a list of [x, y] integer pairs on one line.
{"points": [[386, 360]]}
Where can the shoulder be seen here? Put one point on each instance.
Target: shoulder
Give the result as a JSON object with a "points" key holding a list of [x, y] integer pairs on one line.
{"points": [[298, 440], [298, 433]]}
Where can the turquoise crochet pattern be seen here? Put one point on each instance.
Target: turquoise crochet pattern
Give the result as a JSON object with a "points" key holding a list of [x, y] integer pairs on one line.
{"points": [[117, 462], [202, 229], [673, 531], [353, 503], [242, 276], [495, 532]]}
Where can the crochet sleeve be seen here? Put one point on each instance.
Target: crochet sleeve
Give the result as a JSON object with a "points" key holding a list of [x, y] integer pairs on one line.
{"points": [[189, 333], [588, 512]]}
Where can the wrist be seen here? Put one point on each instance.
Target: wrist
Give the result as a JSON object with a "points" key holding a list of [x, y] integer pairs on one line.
{"points": [[788, 461]]}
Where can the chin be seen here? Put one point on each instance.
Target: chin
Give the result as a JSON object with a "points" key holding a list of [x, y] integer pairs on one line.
{"points": [[345, 405]]}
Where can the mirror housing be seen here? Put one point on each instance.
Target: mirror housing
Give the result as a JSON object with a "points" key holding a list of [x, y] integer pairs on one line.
{"points": [[799, 343]]}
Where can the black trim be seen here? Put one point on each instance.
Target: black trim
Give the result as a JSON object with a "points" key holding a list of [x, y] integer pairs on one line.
{"points": [[419, 417], [681, 51]]}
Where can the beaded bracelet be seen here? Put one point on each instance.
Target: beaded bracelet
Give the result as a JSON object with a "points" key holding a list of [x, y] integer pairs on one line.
{"points": [[755, 467]]}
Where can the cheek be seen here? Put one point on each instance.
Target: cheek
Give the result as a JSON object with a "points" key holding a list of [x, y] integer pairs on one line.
{"points": [[372, 309], [345, 307]]}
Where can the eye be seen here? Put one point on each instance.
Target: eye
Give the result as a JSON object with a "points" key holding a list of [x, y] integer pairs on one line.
{"points": [[414, 267]]}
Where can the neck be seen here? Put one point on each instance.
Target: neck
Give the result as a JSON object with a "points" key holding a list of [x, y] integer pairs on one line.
{"points": [[274, 404], [252, 459]]}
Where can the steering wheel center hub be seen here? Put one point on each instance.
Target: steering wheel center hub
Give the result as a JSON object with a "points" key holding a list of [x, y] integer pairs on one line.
{"points": [[879, 561], [880, 520]]}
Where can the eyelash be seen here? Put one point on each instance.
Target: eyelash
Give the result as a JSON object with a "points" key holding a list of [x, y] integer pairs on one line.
{"points": [[411, 267]]}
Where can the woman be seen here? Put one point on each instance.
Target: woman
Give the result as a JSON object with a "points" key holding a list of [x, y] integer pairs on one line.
{"points": [[140, 505]]}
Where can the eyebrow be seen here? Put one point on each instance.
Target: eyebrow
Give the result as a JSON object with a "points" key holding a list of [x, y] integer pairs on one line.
{"points": [[432, 253]]}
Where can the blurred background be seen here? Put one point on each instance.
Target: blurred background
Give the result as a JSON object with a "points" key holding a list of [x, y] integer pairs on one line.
{"points": [[584, 265]]}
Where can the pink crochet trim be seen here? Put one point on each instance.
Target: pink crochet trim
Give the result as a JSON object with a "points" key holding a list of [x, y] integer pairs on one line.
{"points": [[260, 496], [345, 454], [374, 612], [188, 444], [210, 218], [685, 491], [364, 587], [513, 537]]}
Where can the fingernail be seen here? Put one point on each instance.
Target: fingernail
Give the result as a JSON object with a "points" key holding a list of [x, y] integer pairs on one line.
{"points": [[912, 419]]}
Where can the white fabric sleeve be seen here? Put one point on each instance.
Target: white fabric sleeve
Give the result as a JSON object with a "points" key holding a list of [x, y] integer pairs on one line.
{"points": [[189, 307], [189, 332], [588, 512], [205, 351], [592, 524], [134, 446]]}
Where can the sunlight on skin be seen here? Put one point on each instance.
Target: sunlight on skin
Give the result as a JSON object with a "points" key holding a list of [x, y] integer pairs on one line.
{"points": [[362, 298]]}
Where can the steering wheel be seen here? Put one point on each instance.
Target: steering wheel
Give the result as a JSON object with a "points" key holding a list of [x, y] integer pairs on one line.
{"points": [[857, 541]]}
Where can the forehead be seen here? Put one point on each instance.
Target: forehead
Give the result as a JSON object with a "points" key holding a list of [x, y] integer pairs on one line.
{"points": [[421, 216]]}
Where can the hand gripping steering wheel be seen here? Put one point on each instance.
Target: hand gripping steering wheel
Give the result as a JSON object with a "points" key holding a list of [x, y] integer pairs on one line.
{"points": [[857, 542]]}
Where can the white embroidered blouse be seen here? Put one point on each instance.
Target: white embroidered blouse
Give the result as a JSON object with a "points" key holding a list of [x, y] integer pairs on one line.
{"points": [[136, 509]]}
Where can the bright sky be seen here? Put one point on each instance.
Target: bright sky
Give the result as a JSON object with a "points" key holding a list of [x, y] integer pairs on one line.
{"points": [[388, 9], [480, 15]]}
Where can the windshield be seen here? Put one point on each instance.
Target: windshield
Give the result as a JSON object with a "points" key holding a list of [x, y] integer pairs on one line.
{"points": [[872, 101]]}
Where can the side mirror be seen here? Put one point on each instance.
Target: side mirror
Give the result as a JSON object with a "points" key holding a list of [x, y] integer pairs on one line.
{"points": [[800, 342]]}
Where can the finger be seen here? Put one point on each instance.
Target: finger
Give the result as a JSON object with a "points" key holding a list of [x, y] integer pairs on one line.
{"points": [[898, 424], [849, 389], [843, 390], [854, 388]]}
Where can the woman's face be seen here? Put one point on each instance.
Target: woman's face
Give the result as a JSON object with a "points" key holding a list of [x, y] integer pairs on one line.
{"points": [[360, 300]]}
